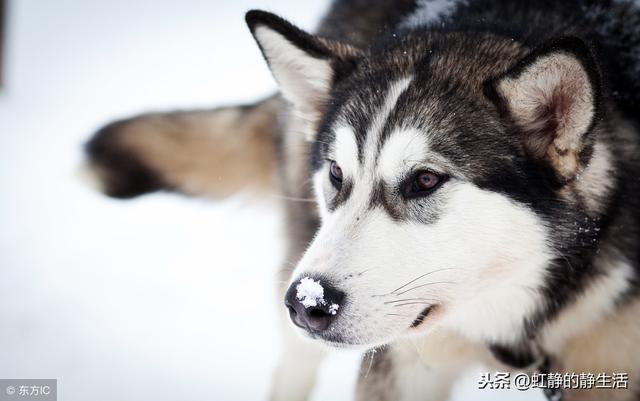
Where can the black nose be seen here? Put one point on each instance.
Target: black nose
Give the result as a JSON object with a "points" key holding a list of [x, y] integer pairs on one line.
{"points": [[313, 303]]}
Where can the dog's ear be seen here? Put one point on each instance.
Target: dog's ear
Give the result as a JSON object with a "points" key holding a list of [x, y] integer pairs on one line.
{"points": [[553, 98], [305, 66]]}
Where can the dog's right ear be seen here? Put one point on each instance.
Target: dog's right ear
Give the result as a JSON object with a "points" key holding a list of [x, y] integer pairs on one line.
{"points": [[306, 67], [553, 98]]}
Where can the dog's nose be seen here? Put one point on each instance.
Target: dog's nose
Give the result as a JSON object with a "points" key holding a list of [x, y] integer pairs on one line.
{"points": [[313, 304]]}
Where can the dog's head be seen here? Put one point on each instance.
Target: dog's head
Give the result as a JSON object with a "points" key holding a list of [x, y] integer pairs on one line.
{"points": [[452, 172]]}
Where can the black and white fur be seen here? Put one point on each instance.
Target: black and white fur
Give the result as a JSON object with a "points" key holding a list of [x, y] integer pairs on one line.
{"points": [[526, 255]]}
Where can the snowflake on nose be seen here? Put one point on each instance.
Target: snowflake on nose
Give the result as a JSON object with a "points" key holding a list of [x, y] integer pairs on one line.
{"points": [[310, 293]]}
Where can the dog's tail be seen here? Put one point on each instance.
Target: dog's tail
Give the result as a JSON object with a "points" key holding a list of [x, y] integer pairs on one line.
{"points": [[211, 153]]}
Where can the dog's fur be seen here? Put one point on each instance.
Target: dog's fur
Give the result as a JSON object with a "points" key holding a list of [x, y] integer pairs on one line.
{"points": [[525, 256]]}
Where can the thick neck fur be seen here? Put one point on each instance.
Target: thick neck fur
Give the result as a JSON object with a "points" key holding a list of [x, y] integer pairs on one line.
{"points": [[608, 190]]}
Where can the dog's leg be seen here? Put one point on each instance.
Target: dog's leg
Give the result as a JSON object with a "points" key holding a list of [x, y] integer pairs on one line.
{"points": [[397, 373], [295, 375], [205, 153], [422, 369]]}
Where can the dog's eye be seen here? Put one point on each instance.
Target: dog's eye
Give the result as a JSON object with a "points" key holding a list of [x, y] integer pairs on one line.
{"points": [[423, 183], [335, 174]]}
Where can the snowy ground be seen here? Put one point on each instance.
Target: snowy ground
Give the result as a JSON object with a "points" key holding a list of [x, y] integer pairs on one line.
{"points": [[140, 300]]}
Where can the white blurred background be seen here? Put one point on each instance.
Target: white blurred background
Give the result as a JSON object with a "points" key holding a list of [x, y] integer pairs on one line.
{"points": [[160, 298]]}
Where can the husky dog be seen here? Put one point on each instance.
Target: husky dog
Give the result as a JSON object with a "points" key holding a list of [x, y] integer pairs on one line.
{"points": [[474, 166]]}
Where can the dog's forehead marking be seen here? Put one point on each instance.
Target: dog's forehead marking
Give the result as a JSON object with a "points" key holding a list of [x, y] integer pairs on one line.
{"points": [[370, 149], [402, 150], [360, 162], [346, 150]]}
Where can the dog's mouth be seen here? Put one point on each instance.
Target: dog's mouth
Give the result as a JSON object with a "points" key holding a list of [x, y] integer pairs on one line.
{"points": [[422, 316], [335, 338]]}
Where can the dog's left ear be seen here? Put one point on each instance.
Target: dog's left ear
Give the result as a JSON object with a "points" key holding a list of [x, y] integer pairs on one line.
{"points": [[553, 98], [306, 67]]}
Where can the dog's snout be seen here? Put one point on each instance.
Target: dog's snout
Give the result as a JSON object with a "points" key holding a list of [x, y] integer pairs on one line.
{"points": [[313, 305]]}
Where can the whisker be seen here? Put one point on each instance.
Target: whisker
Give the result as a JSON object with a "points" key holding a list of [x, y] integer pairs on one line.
{"points": [[408, 299], [413, 281], [413, 303], [373, 353], [425, 285], [424, 275]]}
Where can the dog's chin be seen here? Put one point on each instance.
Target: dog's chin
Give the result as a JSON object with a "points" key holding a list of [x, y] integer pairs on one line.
{"points": [[337, 340], [346, 344], [343, 345], [334, 340]]}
